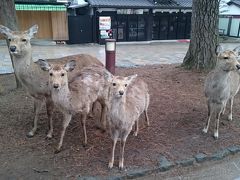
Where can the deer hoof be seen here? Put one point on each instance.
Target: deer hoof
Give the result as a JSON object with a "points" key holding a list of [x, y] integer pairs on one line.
{"points": [[215, 135], [30, 134], [110, 165], [205, 130], [58, 150], [49, 136]]}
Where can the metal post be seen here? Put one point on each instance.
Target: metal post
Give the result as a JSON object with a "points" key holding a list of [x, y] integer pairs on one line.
{"points": [[110, 48]]}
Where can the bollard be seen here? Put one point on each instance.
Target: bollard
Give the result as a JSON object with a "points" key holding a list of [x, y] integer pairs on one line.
{"points": [[110, 49]]}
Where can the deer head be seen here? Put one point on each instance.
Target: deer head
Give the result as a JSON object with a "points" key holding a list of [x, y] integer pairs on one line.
{"points": [[19, 41], [119, 85], [57, 73]]}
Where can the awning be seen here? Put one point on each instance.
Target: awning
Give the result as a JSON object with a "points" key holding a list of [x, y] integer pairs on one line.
{"points": [[39, 7]]}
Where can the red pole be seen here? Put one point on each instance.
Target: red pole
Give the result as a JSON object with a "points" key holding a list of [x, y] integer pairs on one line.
{"points": [[110, 48]]}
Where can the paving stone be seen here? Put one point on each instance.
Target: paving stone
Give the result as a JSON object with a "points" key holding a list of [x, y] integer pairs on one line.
{"points": [[186, 162], [220, 154], [234, 149], [115, 178], [201, 157], [139, 173], [164, 164], [88, 178]]}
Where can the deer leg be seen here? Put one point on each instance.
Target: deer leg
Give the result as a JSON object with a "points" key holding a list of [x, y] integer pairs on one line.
{"points": [[146, 117], [103, 116], [50, 107], [83, 120], [136, 128], [115, 138], [218, 111], [37, 108], [210, 112], [122, 148], [66, 121], [231, 106]]}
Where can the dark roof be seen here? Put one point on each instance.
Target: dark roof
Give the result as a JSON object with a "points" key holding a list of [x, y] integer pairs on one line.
{"points": [[173, 3], [235, 2], [54, 2], [141, 3], [121, 3], [185, 3]]}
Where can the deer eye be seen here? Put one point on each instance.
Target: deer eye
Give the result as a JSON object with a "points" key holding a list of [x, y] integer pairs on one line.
{"points": [[24, 40], [50, 74], [125, 85], [225, 57], [9, 40], [62, 74], [114, 84]]}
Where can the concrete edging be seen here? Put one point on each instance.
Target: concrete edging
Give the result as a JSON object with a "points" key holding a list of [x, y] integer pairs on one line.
{"points": [[165, 165]]}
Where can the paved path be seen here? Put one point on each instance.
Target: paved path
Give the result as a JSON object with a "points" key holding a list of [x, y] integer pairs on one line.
{"points": [[227, 169], [127, 54]]}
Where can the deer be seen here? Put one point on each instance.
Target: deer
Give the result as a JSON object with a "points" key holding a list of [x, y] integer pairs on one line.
{"points": [[221, 85], [30, 75], [128, 99], [77, 96]]}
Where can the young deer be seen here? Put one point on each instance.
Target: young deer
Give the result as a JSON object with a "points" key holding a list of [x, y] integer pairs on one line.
{"points": [[221, 85], [78, 95], [33, 79], [128, 99]]}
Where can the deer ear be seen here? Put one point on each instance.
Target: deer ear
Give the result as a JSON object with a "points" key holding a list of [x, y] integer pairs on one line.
{"points": [[70, 65], [219, 49], [6, 32], [237, 50], [32, 30], [44, 65], [131, 78], [107, 75]]}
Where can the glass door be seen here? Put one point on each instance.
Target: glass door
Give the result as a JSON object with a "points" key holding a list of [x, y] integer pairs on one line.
{"points": [[141, 28], [163, 28], [132, 28], [172, 29], [155, 29], [122, 24]]}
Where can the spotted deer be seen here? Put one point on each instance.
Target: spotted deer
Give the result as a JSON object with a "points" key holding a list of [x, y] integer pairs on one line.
{"points": [[77, 96], [33, 79], [221, 85], [128, 99]]}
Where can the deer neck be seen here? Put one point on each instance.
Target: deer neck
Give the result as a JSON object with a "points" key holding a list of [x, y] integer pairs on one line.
{"points": [[118, 103], [62, 96], [23, 62]]}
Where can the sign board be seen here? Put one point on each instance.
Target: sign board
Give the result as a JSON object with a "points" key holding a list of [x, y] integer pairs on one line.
{"points": [[104, 22]]}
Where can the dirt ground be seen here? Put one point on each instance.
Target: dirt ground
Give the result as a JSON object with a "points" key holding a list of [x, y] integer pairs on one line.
{"points": [[177, 114]]}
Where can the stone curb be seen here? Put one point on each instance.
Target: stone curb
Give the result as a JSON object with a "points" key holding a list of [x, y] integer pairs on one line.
{"points": [[165, 164]]}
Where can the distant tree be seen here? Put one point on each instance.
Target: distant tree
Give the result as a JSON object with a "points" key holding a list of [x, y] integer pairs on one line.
{"points": [[8, 18], [204, 35]]}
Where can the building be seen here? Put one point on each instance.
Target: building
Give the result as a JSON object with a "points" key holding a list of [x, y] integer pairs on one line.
{"points": [[87, 21], [130, 20], [229, 19], [51, 17]]}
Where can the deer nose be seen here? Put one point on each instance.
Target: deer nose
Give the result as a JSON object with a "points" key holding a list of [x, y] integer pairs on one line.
{"points": [[121, 93], [12, 48], [55, 86], [238, 66]]}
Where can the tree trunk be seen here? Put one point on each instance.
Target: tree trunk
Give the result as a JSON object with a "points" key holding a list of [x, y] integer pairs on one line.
{"points": [[8, 18], [201, 54]]}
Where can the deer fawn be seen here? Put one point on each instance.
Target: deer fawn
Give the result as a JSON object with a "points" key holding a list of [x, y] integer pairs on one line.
{"points": [[78, 95], [221, 85], [33, 79], [128, 99]]}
